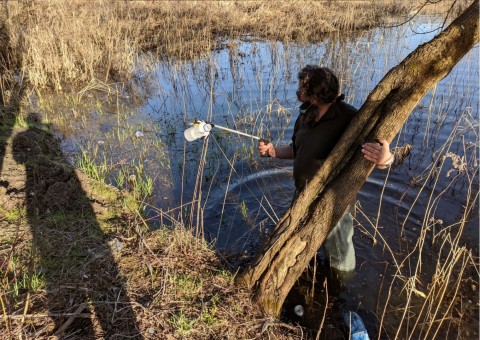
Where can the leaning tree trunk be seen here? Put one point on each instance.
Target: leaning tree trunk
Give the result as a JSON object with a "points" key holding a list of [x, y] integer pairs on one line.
{"points": [[302, 230]]}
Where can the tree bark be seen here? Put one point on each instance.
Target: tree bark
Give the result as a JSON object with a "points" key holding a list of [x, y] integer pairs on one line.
{"points": [[302, 230]]}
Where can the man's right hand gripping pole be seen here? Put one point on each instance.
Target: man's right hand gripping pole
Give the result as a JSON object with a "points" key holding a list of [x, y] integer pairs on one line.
{"points": [[266, 148]]}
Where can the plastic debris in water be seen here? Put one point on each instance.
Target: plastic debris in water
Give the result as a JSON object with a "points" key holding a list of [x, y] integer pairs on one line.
{"points": [[139, 134], [298, 310]]}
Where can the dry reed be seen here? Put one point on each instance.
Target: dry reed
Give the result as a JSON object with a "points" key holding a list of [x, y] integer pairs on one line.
{"points": [[63, 43]]}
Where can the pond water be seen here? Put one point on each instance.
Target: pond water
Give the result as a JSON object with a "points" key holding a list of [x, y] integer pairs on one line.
{"points": [[222, 188]]}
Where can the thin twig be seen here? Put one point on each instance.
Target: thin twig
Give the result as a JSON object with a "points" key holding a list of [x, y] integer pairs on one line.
{"points": [[27, 302], [5, 316], [67, 323], [49, 315], [324, 311]]}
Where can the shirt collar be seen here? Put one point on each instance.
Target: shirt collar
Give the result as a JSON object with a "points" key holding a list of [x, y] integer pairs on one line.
{"points": [[331, 113], [304, 107]]}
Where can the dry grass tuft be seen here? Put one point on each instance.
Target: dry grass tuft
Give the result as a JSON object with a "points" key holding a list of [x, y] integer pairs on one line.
{"points": [[185, 292]]}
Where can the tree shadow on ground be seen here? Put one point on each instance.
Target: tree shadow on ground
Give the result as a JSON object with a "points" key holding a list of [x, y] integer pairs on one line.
{"points": [[70, 249]]}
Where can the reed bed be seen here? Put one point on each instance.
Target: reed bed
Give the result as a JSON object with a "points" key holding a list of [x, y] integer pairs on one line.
{"points": [[433, 265], [63, 44]]}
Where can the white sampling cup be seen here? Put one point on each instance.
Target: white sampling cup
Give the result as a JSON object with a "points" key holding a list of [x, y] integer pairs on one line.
{"points": [[198, 130]]}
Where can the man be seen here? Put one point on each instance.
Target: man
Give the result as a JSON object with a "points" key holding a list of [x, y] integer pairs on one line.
{"points": [[324, 117]]}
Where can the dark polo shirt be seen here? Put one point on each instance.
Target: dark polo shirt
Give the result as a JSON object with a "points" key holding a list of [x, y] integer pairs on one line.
{"points": [[312, 141]]}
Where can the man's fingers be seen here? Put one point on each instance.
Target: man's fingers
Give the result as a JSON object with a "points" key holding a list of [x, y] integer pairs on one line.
{"points": [[371, 150], [376, 152], [372, 146], [263, 148], [371, 154]]}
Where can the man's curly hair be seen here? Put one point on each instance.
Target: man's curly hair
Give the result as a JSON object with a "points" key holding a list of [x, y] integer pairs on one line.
{"points": [[304, 78], [323, 83]]}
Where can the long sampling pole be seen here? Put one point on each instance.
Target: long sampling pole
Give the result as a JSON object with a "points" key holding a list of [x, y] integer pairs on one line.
{"points": [[235, 131], [201, 129]]}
